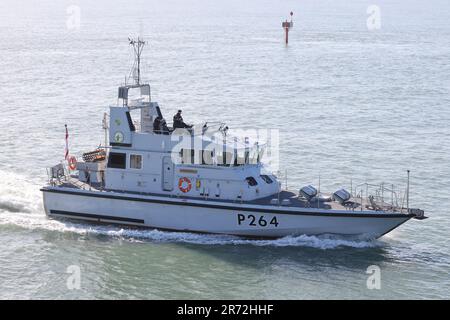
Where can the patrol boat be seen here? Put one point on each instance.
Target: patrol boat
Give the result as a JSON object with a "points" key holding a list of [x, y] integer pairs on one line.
{"points": [[200, 179]]}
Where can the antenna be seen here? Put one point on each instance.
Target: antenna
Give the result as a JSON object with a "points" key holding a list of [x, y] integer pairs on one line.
{"points": [[407, 192], [138, 46]]}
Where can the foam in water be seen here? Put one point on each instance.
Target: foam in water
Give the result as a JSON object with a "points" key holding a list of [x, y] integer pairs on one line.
{"points": [[21, 205], [18, 194]]}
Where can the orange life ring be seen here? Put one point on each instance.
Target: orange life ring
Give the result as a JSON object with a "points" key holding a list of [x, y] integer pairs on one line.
{"points": [[72, 163], [184, 184]]}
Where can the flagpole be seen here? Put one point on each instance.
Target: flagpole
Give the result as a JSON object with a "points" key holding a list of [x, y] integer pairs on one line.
{"points": [[67, 144]]}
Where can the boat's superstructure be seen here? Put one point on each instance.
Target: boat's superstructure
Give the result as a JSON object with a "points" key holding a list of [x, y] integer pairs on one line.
{"points": [[200, 179]]}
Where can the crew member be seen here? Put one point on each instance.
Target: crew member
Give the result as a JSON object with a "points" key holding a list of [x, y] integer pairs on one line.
{"points": [[157, 125], [178, 121], [164, 129]]}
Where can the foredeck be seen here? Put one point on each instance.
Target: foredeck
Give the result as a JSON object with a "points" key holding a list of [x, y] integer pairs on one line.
{"points": [[324, 201]]}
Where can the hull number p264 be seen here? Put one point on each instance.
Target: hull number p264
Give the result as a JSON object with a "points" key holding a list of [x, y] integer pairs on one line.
{"points": [[254, 221]]}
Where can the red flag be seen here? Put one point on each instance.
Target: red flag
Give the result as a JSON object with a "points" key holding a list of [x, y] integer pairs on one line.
{"points": [[67, 143]]}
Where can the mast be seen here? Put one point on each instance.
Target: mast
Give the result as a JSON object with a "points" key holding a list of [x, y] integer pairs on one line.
{"points": [[138, 46], [105, 127]]}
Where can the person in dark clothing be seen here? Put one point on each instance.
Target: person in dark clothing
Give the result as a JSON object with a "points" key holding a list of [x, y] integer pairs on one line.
{"points": [[157, 125], [178, 121], [163, 127]]}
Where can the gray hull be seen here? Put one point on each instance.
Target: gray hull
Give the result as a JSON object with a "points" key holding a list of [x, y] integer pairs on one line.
{"points": [[210, 216]]}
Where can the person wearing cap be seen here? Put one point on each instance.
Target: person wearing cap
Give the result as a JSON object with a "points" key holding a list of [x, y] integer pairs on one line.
{"points": [[178, 121]]}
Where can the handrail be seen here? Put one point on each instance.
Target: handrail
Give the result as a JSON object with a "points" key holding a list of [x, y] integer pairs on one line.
{"points": [[379, 195]]}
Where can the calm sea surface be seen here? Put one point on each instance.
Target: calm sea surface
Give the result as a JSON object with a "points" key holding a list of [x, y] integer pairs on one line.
{"points": [[351, 104]]}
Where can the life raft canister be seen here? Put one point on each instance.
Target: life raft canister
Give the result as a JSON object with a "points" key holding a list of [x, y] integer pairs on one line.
{"points": [[184, 184], [72, 163]]}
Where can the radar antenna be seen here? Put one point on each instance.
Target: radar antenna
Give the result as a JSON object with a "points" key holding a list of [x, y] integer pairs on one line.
{"points": [[138, 46]]}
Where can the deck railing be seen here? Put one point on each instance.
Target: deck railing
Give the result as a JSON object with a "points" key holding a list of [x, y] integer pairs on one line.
{"points": [[383, 196]]}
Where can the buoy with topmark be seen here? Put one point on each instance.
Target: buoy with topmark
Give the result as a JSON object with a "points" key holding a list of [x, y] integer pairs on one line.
{"points": [[286, 26]]}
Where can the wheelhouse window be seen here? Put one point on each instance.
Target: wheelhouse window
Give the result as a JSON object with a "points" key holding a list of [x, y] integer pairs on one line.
{"points": [[207, 157], [135, 161], [266, 178], [224, 158], [251, 181], [117, 160], [187, 156]]}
